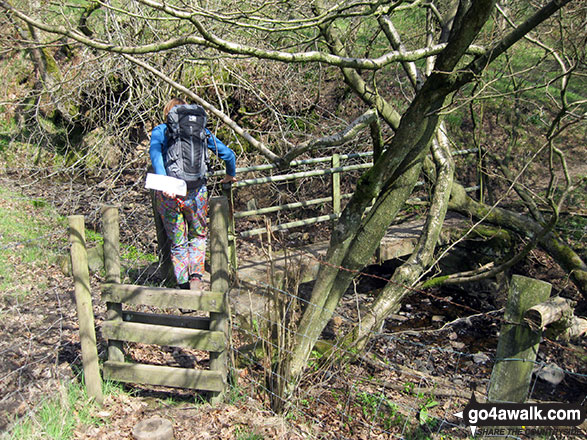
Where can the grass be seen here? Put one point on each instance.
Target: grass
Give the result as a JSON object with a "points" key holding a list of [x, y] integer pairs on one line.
{"points": [[58, 417], [29, 238], [134, 256], [379, 410], [242, 434]]}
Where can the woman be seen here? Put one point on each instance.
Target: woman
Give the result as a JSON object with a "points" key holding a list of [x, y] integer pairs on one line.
{"points": [[184, 217]]}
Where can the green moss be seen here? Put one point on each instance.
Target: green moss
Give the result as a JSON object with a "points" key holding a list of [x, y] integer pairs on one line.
{"points": [[434, 282], [51, 64], [28, 238], [491, 233]]}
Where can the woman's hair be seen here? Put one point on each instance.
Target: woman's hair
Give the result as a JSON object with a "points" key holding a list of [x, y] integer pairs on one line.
{"points": [[172, 103]]}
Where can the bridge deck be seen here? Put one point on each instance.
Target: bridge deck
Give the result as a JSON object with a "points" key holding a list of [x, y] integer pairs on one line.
{"points": [[399, 241]]}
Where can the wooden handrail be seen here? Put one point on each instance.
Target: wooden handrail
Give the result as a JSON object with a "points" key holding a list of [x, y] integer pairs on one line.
{"points": [[336, 197]]}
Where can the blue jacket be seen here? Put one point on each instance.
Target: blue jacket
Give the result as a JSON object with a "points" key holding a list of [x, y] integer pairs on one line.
{"points": [[158, 150]]}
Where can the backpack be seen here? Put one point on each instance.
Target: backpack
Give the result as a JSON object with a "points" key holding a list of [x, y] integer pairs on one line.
{"points": [[187, 143]]}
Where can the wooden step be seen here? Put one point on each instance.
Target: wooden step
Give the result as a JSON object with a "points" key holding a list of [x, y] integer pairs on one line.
{"points": [[204, 380], [163, 297], [163, 335]]}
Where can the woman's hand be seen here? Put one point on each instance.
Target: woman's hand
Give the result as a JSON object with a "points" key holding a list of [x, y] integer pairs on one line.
{"points": [[228, 179], [169, 195]]}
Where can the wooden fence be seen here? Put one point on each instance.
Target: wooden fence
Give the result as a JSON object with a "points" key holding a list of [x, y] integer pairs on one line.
{"points": [[209, 333]]}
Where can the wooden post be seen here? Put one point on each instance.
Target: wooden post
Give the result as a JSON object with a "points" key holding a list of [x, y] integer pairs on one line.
{"points": [[518, 344], [111, 231], [85, 313], [336, 184], [227, 192], [219, 277]]}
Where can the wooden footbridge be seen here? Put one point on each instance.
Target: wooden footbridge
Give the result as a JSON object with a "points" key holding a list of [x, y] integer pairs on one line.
{"points": [[399, 240]]}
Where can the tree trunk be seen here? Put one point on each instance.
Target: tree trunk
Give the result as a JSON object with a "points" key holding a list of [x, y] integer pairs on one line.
{"points": [[391, 181]]}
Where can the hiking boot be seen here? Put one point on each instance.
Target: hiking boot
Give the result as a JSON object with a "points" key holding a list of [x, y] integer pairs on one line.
{"points": [[196, 283]]}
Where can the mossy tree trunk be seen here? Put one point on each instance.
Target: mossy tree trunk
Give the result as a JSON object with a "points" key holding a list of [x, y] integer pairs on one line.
{"points": [[408, 274], [561, 252]]}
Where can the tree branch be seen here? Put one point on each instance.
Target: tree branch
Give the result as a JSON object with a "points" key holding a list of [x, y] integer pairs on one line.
{"points": [[566, 257], [333, 140], [478, 64], [212, 41]]}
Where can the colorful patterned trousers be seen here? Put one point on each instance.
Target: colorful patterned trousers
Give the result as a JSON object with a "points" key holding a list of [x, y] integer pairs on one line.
{"points": [[184, 219]]}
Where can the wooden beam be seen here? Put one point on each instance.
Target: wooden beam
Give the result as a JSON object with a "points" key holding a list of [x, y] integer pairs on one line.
{"points": [[204, 380], [195, 322], [163, 297], [335, 181], [158, 335]]}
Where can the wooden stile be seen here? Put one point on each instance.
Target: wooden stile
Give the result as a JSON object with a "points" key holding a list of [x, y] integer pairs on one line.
{"points": [[201, 333]]}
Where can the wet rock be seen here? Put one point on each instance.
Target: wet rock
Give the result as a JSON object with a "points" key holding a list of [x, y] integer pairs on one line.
{"points": [[552, 374], [457, 345], [480, 358]]}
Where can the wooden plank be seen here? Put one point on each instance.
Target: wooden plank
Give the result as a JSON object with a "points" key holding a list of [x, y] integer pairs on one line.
{"points": [[195, 322], [163, 297], [161, 335], [204, 380]]}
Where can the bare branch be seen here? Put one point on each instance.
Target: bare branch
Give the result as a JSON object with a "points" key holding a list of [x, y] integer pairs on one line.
{"points": [[222, 116], [339, 138], [477, 65], [212, 41]]}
